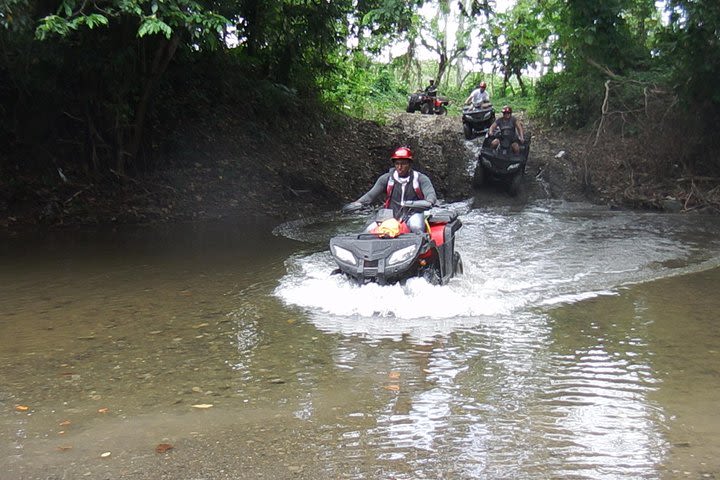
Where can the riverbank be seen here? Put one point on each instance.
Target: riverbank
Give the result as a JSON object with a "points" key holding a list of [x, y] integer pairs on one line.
{"points": [[223, 166]]}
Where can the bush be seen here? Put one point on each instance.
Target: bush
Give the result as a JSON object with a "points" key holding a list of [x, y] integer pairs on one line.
{"points": [[564, 99]]}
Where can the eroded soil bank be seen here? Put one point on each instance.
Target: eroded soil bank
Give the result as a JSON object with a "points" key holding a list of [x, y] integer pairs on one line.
{"points": [[224, 166]]}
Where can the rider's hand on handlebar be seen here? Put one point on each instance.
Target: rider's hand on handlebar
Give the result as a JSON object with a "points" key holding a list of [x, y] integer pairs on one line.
{"points": [[351, 207], [416, 204]]}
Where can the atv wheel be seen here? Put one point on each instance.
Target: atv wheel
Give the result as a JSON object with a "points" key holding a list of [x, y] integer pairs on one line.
{"points": [[479, 176], [441, 110], [515, 185], [468, 131], [409, 108], [432, 276], [426, 108]]}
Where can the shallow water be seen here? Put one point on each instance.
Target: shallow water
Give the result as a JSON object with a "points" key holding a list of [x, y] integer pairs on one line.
{"points": [[579, 343]]}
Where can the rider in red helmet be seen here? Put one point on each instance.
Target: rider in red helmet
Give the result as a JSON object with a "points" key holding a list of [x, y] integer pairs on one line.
{"points": [[508, 124], [479, 96], [407, 192]]}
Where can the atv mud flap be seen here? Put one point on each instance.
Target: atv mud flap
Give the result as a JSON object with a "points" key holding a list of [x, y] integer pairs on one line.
{"points": [[446, 251]]}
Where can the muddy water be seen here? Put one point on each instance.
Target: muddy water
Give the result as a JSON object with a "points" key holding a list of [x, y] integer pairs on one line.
{"points": [[579, 343]]}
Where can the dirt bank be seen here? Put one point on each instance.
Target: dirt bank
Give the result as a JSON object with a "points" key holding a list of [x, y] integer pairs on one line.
{"points": [[225, 166]]}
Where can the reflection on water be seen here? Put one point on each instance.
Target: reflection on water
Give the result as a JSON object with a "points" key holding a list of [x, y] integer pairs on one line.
{"points": [[554, 356]]}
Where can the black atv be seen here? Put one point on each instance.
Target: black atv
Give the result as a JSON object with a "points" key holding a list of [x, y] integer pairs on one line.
{"points": [[500, 163], [477, 119]]}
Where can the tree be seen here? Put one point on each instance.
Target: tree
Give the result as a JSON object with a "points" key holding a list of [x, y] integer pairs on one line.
{"points": [[435, 35], [97, 69], [112, 97], [691, 45], [514, 39]]}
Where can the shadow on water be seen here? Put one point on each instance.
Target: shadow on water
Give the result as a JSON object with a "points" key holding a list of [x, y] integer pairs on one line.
{"points": [[556, 355]]}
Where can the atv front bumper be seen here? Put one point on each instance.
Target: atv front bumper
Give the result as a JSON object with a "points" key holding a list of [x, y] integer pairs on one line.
{"points": [[368, 258]]}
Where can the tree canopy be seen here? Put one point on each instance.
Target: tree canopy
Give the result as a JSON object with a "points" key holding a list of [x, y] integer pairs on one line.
{"points": [[96, 83]]}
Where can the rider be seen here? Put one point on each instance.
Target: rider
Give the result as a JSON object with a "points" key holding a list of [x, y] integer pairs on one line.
{"points": [[479, 96], [431, 90], [407, 192], [508, 124]]}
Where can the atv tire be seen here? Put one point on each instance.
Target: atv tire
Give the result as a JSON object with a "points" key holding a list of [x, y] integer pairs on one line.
{"points": [[479, 175], [432, 276], [409, 108], [515, 185], [426, 108], [468, 131], [441, 110]]}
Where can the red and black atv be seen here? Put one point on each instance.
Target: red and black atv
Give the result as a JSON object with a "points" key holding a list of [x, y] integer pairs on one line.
{"points": [[390, 253], [427, 104], [416, 101], [435, 105]]}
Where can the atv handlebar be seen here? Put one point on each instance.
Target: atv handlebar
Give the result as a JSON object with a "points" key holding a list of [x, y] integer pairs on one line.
{"points": [[417, 204]]}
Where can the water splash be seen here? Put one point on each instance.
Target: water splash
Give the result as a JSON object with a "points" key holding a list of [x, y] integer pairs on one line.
{"points": [[548, 253]]}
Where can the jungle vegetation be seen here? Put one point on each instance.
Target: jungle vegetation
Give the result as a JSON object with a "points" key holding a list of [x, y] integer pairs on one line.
{"points": [[94, 86]]}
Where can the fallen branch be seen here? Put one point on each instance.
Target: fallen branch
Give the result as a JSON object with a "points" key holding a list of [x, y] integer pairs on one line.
{"points": [[603, 110], [73, 196], [698, 179]]}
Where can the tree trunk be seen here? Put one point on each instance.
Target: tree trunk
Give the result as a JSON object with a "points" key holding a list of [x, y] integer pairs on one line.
{"points": [[163, 55]]}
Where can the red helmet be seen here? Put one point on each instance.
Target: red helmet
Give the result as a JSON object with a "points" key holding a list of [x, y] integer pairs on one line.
{"points": [[402, 153], [507, 109], [482, 85]]}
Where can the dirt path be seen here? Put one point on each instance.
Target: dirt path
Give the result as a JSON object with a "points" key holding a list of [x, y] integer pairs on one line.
{"points": [[448, 157]]}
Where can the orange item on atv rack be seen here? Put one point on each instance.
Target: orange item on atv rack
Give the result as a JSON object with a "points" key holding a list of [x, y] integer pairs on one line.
{"points": [[390, 228]]}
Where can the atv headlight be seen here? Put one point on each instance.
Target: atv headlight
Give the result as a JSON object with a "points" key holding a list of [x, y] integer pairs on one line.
{"points": [[344, 255], [402, 255], [513, 166]]}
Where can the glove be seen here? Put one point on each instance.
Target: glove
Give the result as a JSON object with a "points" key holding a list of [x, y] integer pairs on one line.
{"points": [[417, 204], [351, 207]]}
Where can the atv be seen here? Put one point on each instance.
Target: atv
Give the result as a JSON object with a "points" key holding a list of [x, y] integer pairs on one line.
{"points": [[501, 163], [435, 105], [416, 101], [477, 119], [391, 253]]}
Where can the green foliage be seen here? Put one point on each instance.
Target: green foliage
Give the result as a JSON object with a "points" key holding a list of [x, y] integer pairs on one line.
{"points": [[97, 82], [152, 18], [691, 44], [362, 88], [599, 32], [567, 99]]}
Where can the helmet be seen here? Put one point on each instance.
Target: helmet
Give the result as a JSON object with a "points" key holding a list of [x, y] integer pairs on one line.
{"points": [[482, 85], [432, 80], [507, 109], [402, 153]]}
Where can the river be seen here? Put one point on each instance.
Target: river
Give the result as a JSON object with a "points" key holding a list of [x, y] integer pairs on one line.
{"points": [[579, 343]]}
